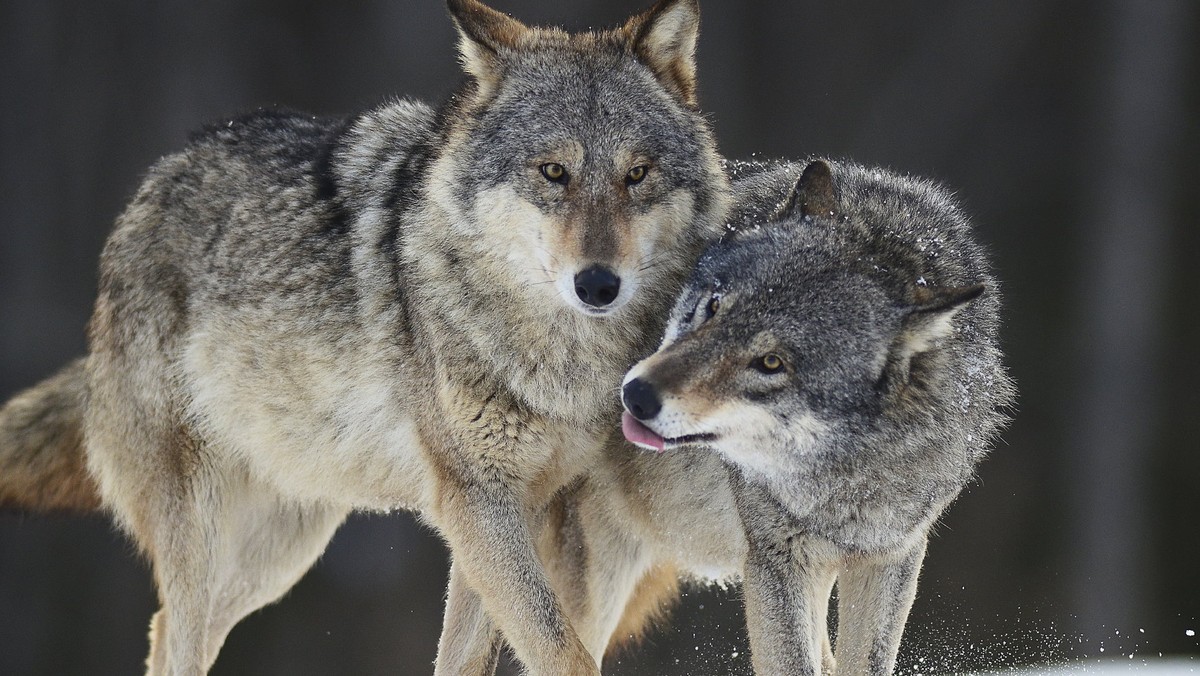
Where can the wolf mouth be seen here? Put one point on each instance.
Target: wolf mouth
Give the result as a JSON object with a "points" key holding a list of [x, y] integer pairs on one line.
{"points": [[643, 437], [593, 312], [690, 439]]}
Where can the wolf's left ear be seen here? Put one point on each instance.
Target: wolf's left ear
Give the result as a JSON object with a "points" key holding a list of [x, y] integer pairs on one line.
{"points": [[929, 317], [664, 38], [928, 323], [812, 195], [482, 34]]}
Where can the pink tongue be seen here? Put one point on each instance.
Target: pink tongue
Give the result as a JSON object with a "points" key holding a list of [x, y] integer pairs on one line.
{"points": [[639, 434]]}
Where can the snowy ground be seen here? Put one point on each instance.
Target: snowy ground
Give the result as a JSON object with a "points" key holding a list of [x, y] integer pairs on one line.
{"points": [[1176, 666]]}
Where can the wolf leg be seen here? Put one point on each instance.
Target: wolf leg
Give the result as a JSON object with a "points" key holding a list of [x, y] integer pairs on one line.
{"points": [[156, 662], [219, 557], [594, 563], [592, 566], [269, 544], [154, 476], [786, 587], [787, 599], [470, 643], [599, 570], [488, 530], [183, 571], [874, 597]]}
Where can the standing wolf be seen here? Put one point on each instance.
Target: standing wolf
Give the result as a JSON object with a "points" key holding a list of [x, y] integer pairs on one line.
{"points": [[409, 308], [839, 353]]}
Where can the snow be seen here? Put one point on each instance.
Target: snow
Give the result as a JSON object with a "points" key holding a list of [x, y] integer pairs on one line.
{"points": [[1173, 666]]}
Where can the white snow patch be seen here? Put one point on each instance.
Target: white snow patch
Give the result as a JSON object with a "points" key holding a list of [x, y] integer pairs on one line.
{"points": [[1175, 666]]}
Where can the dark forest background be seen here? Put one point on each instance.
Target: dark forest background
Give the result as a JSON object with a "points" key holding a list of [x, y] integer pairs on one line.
{"points": [[1067, 127]]}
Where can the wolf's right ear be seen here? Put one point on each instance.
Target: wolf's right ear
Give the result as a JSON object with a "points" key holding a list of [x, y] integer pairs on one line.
{"points": [[813, 194], [482, 34], [664, 38]]}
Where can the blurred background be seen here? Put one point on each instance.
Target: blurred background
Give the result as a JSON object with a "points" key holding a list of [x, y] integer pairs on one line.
{"points": [[1063, 125]]}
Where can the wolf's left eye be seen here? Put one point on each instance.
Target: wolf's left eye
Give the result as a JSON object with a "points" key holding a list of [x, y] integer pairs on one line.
{"points": [[768, 363], [553, 171], [636, 175]]}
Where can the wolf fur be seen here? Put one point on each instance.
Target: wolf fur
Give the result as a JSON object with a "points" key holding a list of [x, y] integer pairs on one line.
{"points": [[299, 317], [42, 466], [876, 315]]}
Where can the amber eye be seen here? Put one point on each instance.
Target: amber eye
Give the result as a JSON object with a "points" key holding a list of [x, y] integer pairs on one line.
{"points": [[714, 305], [636, 175], [768, 363], [553, 171]]}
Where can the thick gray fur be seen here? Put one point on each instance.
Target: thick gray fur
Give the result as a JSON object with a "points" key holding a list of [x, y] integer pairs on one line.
{"points": [[299, 317], [872, 290]]}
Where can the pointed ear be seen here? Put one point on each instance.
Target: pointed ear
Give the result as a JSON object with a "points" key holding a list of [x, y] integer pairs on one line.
{"points": [[927, 324], [929, 320], [664, 38], [812, 195], [482, 34]]}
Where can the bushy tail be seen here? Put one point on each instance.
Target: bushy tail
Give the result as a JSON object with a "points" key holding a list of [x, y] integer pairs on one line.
{"points": [[42, 463]]}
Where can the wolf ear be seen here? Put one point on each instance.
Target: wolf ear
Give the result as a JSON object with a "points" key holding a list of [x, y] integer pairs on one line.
{"points": [[928, 322], [812, 195], [664, 38], [482, 34]]}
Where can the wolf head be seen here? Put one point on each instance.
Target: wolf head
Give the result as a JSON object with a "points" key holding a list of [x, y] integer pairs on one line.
{"points": [[577, 161], [786, 337]]}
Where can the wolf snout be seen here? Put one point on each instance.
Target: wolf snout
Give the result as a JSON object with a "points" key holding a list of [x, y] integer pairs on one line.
{"points": [[597, 286], [640, 399]]}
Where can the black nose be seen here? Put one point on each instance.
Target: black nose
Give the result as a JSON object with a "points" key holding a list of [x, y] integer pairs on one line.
{"points": [[640, 399], [597, 286]]}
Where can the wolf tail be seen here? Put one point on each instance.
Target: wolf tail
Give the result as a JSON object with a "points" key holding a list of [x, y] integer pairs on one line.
{"points": [[42, 463]]}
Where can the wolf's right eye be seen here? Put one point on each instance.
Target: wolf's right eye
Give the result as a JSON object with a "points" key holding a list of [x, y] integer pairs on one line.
{"points": [[555, 172], [714, 304]]}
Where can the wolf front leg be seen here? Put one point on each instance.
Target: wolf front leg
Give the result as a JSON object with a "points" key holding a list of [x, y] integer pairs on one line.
{"points": [[594, 568], [874, 597], [470, 643], [787, 599], [600, 568], [787, 586], [488, 530]]}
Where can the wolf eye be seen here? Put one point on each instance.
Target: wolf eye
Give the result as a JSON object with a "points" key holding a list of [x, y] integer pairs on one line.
{"points": [[553, 171], [768, 363], [636, 175], [713, 305]]}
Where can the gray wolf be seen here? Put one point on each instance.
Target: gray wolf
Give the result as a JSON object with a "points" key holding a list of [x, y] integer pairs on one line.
{"points": [[838, 352], [410, 308]]}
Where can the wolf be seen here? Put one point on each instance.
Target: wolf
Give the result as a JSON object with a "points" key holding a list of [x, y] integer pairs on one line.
{"points": [[409, 308], [838, 353]]}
